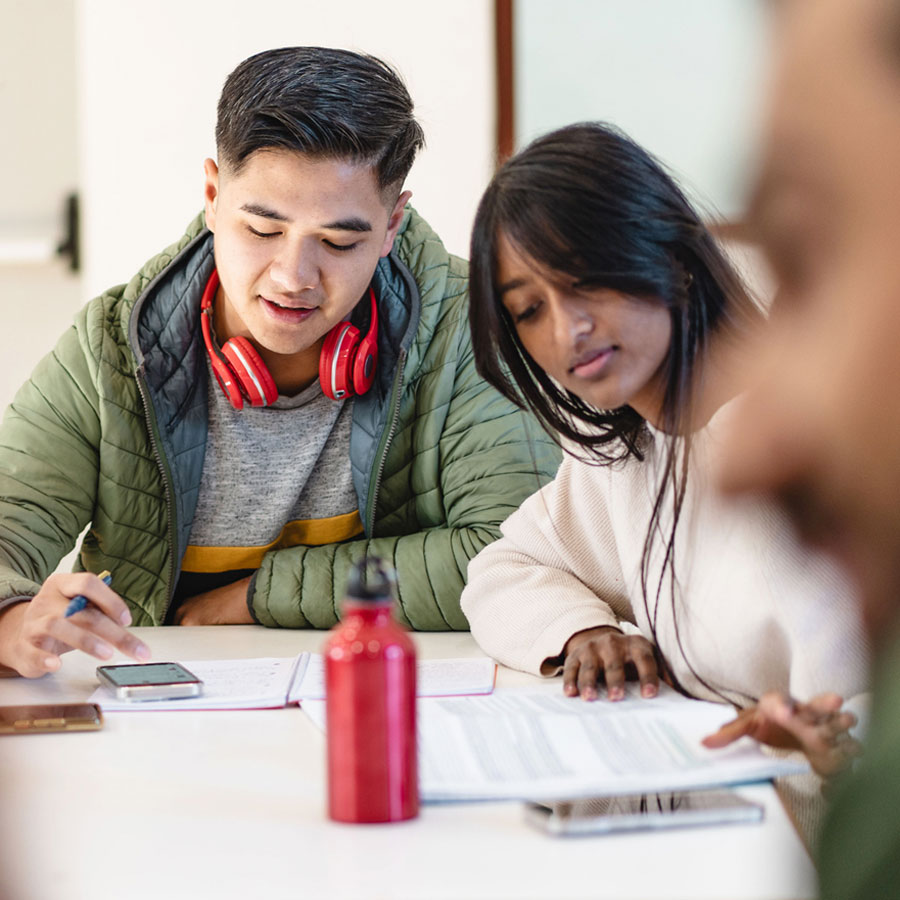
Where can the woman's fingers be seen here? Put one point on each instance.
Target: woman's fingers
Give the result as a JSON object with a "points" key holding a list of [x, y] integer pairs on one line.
{"points": [[644, 660], [819, 728], [740, 726], [615, 657], [612, 656]]}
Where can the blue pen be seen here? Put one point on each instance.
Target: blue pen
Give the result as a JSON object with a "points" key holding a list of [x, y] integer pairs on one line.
{"points": [[77, 604]]}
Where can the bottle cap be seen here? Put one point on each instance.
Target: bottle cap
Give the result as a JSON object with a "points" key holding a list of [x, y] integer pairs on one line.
{"points": [[370, 580]]}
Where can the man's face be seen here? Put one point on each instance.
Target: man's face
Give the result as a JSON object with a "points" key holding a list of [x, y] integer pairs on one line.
{"points": [[822, 432], [297, 240]]}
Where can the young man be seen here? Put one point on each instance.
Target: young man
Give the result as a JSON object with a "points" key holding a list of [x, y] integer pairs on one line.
{"points": [[823, 431], [379, 438]]}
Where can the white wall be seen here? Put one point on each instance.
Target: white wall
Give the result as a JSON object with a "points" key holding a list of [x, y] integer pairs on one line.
{"points": [[150, 76], [38, 167], [685, 78]]}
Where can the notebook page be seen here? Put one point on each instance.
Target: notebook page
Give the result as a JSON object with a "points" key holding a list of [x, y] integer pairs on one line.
{"points": [[261, 683], [434, 677]]}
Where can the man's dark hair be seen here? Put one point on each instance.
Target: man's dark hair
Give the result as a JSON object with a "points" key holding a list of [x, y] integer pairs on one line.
{"points": [[323, 102]]}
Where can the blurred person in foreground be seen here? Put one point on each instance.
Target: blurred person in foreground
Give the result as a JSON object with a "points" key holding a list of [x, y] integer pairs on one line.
{"points": [[822, 433]]}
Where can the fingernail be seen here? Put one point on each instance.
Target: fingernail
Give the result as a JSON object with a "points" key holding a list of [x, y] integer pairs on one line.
{"points": [[648, 690], [142, 651], [52, 662], [589, 694], [616, 693], [570, 689], [103, 651], [125, 618]]}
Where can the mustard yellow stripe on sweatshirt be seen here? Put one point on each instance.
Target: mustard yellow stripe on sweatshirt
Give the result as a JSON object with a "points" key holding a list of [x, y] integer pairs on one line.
{"points": [[305, 532]]}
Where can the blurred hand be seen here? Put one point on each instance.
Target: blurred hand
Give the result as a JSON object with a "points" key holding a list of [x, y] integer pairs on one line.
{"points": [[819, 728], [606, 653], [34, 633], [222, 606]]}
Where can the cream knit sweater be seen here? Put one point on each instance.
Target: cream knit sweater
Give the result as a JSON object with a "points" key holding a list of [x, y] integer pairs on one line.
{"points": [[754, 610]]}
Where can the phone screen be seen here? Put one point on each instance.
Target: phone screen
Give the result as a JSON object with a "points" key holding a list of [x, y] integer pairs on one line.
{"points": [[150, 681], [147, 674], [628, 812]]}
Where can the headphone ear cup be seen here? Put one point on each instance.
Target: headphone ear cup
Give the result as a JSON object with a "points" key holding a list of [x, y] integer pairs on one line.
{"points": [[227, 381], [250, 372], [364, 363], [336, 361], [346, 362]]}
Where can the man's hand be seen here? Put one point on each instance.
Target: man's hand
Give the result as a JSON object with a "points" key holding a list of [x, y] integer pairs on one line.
{"points": [[606, 652], [34, 633], [222, 606], [819, 728]]}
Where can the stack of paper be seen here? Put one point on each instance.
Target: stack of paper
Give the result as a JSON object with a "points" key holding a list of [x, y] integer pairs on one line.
{"points": [[534, 743]]}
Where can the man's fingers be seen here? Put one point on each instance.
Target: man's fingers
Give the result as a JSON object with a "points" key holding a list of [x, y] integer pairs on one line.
{"points": [[105, 599], [96, 634], [113, 634], [42, 632], [37, 662], [79, 637]]}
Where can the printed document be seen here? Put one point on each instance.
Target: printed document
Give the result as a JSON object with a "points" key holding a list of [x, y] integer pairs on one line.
{"points": [[535, 743]]}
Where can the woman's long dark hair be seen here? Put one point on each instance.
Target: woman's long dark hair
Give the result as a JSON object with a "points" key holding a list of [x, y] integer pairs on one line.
{"points": [[588, 202]]}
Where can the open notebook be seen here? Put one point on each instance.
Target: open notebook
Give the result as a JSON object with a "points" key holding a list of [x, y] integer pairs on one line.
{"points": [[272, 682]]}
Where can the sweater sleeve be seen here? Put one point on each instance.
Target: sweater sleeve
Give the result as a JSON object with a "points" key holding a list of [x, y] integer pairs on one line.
{"points": [[555, 571], [490, 458]]}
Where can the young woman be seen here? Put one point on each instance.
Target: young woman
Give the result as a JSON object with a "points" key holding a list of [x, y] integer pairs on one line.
{"points": [[602, 303]]}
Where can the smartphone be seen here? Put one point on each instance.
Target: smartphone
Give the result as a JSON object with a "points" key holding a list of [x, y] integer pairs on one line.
{"points": [[150, 681], [631, 812], [44, 718]]}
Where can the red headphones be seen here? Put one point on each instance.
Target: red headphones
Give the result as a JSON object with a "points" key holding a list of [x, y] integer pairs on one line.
{"points": [[346, 362]]}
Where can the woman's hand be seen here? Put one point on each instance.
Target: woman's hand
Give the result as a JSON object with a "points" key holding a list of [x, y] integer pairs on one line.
{"points": [[819, 728], [34, 633], [607, 653]]}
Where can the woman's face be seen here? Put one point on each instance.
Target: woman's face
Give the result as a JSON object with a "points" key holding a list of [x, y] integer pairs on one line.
{"points": [[606, 347]]}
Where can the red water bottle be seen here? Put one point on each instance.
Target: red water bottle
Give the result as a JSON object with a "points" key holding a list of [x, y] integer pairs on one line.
{"points": [[370, 694]]}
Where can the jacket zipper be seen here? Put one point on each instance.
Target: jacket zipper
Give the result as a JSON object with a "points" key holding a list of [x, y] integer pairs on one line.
{"points": [[167, 480], [375, 486]]}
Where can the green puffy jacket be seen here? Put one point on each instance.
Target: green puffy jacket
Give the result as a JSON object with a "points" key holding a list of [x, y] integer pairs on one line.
{"points": [[110, 431]]}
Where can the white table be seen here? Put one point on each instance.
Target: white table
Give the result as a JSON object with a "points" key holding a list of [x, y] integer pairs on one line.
{"points": [[232, 804]]}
